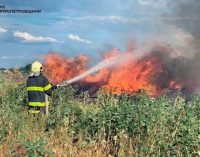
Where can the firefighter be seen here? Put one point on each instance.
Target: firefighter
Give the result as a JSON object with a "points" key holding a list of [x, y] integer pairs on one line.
{"points": [[37, 86]]}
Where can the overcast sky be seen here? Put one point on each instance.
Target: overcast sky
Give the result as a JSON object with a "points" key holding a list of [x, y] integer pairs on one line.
{"points": [[74, 27]]}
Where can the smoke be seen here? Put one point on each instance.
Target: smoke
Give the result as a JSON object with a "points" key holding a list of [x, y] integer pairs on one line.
{"points": [[186, 17], [180, 69], [157, 68]]}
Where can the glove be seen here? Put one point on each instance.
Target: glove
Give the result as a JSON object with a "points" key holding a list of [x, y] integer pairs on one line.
{"points": [[54, 87]]}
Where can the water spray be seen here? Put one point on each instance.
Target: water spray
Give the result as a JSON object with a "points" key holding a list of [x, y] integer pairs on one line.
{"points": [[104, 64]]}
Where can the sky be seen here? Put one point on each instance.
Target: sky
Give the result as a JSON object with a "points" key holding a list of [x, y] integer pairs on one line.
{"points": [[90, 27]]}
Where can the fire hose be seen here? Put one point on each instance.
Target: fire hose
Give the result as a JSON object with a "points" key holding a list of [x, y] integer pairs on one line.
{"points": [[65, 83]]}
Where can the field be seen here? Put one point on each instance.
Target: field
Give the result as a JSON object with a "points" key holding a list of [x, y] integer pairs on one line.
{"points": [[109, 125]]}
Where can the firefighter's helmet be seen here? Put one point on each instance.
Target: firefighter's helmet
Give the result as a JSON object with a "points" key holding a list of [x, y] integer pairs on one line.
{"points": [[36, 67]]}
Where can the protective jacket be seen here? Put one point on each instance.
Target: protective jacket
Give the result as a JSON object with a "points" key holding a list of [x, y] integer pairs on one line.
{"points": [[37, 87]]}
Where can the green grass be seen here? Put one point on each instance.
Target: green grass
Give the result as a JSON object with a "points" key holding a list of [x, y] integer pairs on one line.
{"points": [[109, 125]]}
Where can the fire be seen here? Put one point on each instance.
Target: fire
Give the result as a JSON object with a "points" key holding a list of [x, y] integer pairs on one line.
{"points": [[59, 68], [148, 73], [134, 76]]}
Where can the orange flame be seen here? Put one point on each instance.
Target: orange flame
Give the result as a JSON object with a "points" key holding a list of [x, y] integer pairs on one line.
{"points": [[59, 68], [128, 77]]}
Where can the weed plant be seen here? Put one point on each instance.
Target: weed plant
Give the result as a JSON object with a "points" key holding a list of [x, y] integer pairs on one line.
{"points": [[110, 125]]}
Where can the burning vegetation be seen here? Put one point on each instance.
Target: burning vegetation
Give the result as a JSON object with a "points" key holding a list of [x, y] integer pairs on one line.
{"points": [[155, 72]]}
